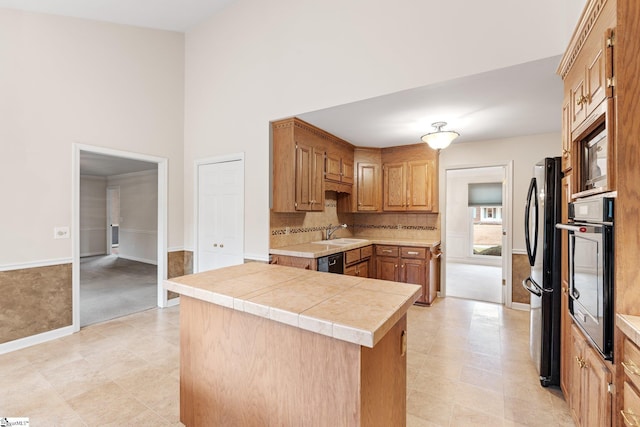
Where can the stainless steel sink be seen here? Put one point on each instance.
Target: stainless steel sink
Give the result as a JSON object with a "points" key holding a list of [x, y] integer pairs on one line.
{"points": [[340, 242]]}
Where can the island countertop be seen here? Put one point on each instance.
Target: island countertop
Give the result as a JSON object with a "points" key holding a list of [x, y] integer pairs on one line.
{"points": [[353, 309]]}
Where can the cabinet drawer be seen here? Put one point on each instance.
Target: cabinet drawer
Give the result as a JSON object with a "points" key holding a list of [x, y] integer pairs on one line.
{"points": [[382, 250], [631, 363], [366, 252], [420, 253], [352, 256], [631, 408]]}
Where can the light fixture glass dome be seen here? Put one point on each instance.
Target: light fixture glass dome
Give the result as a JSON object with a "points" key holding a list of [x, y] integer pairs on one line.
{"points": [[440, 138]]}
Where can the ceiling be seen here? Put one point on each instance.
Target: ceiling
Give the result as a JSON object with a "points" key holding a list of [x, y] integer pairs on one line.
{"points": [[172, 15], [515, 101], [520, 100], [103, 165]]}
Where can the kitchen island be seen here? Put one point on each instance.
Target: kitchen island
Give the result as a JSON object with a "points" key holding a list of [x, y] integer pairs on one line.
{"points": [[266, 345]]}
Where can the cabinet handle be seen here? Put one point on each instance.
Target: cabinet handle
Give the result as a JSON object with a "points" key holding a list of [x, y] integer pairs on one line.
{"points": [[581, 100], [581, 362], [631, 368], [413, 253], [630, 418], [395, 266], [386, 251], [221, 245], [402, 266]]}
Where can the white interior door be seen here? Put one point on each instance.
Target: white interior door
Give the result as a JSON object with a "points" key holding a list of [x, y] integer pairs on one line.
{"points": [[220, 222]]}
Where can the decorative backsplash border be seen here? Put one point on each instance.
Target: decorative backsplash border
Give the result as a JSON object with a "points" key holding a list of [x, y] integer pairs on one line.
{"points": [[288, 230]]}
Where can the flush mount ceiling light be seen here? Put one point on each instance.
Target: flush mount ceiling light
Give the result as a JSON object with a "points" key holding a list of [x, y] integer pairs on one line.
{"points": [[440, 138]]}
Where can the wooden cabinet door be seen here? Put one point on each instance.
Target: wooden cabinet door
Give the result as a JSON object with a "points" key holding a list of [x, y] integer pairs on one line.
{"points": [[394, 187], [317, 180], [347, 170], [420, 185], [363, 269], [566, 134], [368, 188], [576, 349], [433, 282], [304, 170], [414, 271], [596, 74], [332, 167], [596, 398], [387, 268]]}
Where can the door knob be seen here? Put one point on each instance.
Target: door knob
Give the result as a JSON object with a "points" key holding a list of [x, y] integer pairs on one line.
{"points": [[221, 245]]}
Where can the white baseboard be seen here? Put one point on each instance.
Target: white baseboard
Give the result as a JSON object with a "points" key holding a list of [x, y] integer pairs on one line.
{"points": [[520, 306], [256, 257], [173, 302], [92, 254], [35, 339], [134, 258]]}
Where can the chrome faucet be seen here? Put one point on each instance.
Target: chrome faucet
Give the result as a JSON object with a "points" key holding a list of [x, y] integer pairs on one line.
{"points": [[330, 230]]}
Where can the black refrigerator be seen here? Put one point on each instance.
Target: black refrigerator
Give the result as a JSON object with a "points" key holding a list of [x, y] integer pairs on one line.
{"points": [[543, 243]]}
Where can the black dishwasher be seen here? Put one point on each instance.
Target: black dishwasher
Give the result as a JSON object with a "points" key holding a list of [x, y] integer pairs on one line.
{"points": [[332, 263]]}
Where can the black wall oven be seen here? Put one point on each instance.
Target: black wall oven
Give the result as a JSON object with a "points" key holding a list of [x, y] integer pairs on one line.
{"points": [[591, 278]]}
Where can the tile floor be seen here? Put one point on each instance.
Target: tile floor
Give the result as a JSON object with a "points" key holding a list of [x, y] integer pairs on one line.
{"points": [[468, 364]]}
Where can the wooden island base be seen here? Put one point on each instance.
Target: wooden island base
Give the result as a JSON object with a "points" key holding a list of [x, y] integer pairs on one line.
{"points": [[237, 369]]}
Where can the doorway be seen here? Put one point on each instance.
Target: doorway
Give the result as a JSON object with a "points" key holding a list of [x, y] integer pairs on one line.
{"points": [[120, 215], [113, 220], [476, 224]]}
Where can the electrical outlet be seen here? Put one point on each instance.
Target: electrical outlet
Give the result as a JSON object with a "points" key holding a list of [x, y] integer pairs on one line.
{"points": [[61, 233]]}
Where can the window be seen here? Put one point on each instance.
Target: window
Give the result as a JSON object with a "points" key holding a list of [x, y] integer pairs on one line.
{"points": [[486, 230]]}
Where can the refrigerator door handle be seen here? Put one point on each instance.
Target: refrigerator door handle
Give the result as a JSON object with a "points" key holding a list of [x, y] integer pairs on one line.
{"points": [[535, 289], [531, 242]]}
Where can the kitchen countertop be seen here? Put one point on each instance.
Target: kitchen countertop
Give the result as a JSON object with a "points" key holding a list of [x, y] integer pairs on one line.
{"points": [[630, 326], [349, 308], [316, 250]]}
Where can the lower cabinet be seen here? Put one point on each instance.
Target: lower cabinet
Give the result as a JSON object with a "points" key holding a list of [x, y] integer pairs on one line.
{"points": [[409, 265], [590, 398], [356, 261], [294, 261], [631, 394]]}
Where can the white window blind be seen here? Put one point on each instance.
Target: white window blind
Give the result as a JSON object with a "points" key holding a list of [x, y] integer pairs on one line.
{"points": [[485, 194]]}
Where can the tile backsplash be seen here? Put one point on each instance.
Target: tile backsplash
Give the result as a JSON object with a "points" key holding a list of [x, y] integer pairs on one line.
{"points": [[295, 228]]}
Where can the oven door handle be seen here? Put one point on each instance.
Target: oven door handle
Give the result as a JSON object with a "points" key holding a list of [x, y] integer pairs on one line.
{"points": [[535, 289], [570, 227]]}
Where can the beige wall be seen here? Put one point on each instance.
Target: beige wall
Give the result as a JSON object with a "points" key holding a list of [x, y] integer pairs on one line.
{"points": [[258, 61], [65, 81]]}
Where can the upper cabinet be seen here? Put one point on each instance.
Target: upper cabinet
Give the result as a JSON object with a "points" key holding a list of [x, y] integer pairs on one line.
{"points": [[338, 167], [307, 161], [298, 166], [588, 143], [410, 185]]}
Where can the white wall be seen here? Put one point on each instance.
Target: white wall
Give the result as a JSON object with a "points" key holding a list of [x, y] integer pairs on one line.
{"points": [[138, 215], [93, 215], [65, 81], [257, 61], [458, 228], [525, 153]]}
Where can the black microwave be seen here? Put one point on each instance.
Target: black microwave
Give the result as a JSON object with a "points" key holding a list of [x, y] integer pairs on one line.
{"points": [[594, 160]]}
